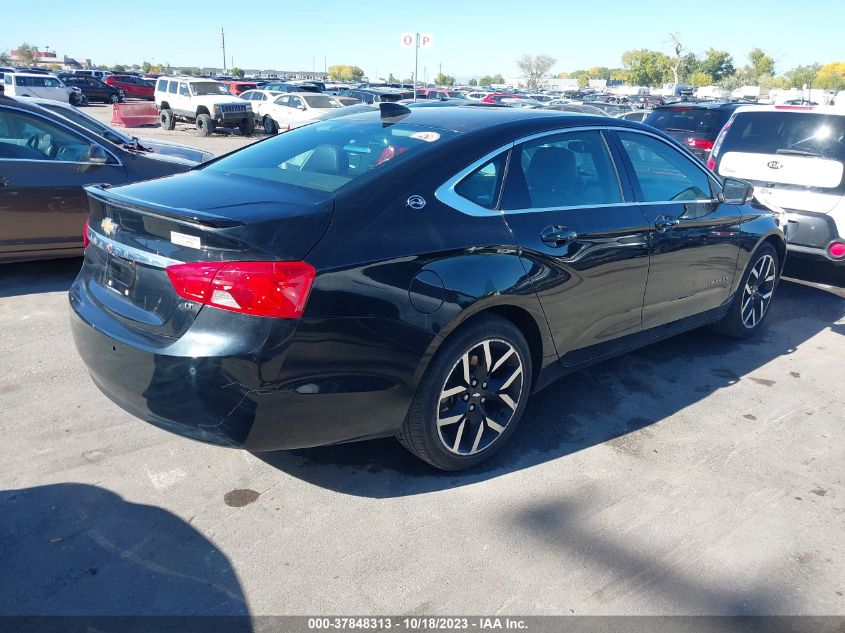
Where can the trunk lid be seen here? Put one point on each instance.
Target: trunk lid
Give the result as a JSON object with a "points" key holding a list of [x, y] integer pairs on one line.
{"points": [[137, 231]]}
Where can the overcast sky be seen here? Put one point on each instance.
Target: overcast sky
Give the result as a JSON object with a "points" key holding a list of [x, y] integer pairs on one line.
{"points": [[471, 37]]}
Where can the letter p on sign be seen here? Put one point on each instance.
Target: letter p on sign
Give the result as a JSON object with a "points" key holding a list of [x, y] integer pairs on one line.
{"points": [[425, 40]]}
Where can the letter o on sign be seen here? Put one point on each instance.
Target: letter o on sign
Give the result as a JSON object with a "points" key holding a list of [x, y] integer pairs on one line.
{"points": [[408, 40]]}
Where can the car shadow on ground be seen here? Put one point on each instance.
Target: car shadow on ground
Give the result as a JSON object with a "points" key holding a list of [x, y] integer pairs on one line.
{"points": [[28, 278], [78, 550], [604, 403]]}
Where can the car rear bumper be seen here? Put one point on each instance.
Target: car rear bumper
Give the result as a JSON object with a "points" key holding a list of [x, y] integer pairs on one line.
{"points": [[811, 234], [267, 387]]}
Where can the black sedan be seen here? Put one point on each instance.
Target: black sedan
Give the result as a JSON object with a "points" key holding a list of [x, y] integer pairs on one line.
{"points": [[408, 272], [45, 161], [93, 89]]}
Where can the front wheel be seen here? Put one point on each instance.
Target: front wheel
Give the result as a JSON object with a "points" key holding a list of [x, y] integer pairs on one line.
{"points": [[168, 122], [205, 125], [247, 126], [471, 397], [750, 305]]}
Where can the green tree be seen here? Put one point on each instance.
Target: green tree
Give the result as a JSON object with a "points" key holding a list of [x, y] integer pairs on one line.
{"points": [[831, 76], [237, 72], [599, 72], [742, 76], [647, 68], [698, 79], [444, 80], [761, 63], [5, 59], [147, 67], [344, 72], [690, 65], [473, 82], [27, 55], [800, 76], [717, 64], [534, 68], [118, 68]]}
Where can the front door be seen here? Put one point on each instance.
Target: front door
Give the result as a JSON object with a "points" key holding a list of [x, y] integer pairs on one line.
{"points": [[695, 239], [43, 168], [583, 239]]}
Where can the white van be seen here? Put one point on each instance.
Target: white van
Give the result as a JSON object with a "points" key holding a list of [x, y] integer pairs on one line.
{"points": [[35, 85], [795, 158]]}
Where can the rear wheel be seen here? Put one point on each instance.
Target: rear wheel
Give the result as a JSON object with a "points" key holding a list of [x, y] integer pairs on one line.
{"points": [[269, 125], [167, 120], [205, 125], [471, 397], [750, 305]]}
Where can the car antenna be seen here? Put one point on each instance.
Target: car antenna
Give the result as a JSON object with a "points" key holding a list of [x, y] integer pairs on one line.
{"points": [[390, 110]]}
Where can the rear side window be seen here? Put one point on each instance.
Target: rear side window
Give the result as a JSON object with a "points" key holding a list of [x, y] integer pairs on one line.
{"points": [[684, 119], [569, 170], [787, 133], [162, 85], [664, 174], [482, 186], [173, 87]]}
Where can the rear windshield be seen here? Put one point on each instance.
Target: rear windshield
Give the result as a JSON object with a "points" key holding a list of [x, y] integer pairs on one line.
{"points": [[788, 133], [683, 119], [329, 155]]}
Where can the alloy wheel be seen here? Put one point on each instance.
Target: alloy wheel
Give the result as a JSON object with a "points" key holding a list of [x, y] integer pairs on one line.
{"points": [[757, 294], [480, 397]]}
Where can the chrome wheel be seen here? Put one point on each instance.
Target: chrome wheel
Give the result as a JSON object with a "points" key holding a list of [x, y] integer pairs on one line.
{"points": [[757, 294], [480, 397]]}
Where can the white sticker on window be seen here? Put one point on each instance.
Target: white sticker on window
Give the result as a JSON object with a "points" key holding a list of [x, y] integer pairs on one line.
{"points": [[191, 241]]}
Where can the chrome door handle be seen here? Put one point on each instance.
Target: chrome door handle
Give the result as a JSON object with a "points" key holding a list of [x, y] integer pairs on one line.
{"points": [[557, 236], [664, 223]]}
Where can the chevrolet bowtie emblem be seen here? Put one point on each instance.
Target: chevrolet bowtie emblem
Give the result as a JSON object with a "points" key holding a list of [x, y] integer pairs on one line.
{"points": [[108, 226]]}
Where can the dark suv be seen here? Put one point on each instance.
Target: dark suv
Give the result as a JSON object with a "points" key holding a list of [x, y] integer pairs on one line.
{"points": [[696, 125]]}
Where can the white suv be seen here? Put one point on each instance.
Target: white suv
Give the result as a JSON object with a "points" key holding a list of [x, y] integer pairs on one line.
{"points": [[795, 158], [204, 102]]}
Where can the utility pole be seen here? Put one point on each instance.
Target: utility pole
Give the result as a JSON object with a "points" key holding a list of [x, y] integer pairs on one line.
{"points": [[223, 41], [416, 66]]}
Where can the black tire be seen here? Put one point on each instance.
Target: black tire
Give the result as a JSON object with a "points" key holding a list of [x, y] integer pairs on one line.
{"points": [[473, 432], [205, 125], [247, 126], [743, 318], [115, 98], [74, 99], [269, 125], [168, 121]]}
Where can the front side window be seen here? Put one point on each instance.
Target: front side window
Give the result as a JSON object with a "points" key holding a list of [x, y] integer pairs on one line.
{"points": [[295, 102], [664, 173], [183, 90], [569, 170], [25, 137], [329, 155]]}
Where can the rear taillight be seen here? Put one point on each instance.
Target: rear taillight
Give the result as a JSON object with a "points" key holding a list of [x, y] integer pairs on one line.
{"points": [[711, 164], [85, 240], [836, 250], [699, 143], [269, 289]]}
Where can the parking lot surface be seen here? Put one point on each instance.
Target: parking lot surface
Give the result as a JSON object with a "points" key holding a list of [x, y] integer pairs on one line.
{"points": [[698, 476]]}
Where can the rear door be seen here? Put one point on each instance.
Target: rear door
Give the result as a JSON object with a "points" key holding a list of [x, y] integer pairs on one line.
{"points": [[694, 238], [43, 167], [584, 240]]}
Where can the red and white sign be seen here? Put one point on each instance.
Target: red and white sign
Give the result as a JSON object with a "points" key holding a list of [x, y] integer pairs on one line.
{"points": [[408, 39], [425, 40]]}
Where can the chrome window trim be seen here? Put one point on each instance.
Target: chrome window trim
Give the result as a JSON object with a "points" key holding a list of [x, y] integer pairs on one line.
{"points": [[70, 130], [446, 193], [130, 252]]}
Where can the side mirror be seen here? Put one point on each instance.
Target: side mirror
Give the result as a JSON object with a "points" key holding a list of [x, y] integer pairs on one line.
{"points": [[736, 191], [97, 155]]}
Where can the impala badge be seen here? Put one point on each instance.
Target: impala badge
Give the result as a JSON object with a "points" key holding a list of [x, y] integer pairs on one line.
{"points": [[775, 164], [416, 202]]}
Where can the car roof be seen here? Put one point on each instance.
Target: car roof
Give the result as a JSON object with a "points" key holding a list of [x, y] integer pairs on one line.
{"points": [[468, 119], [706, 105]]}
